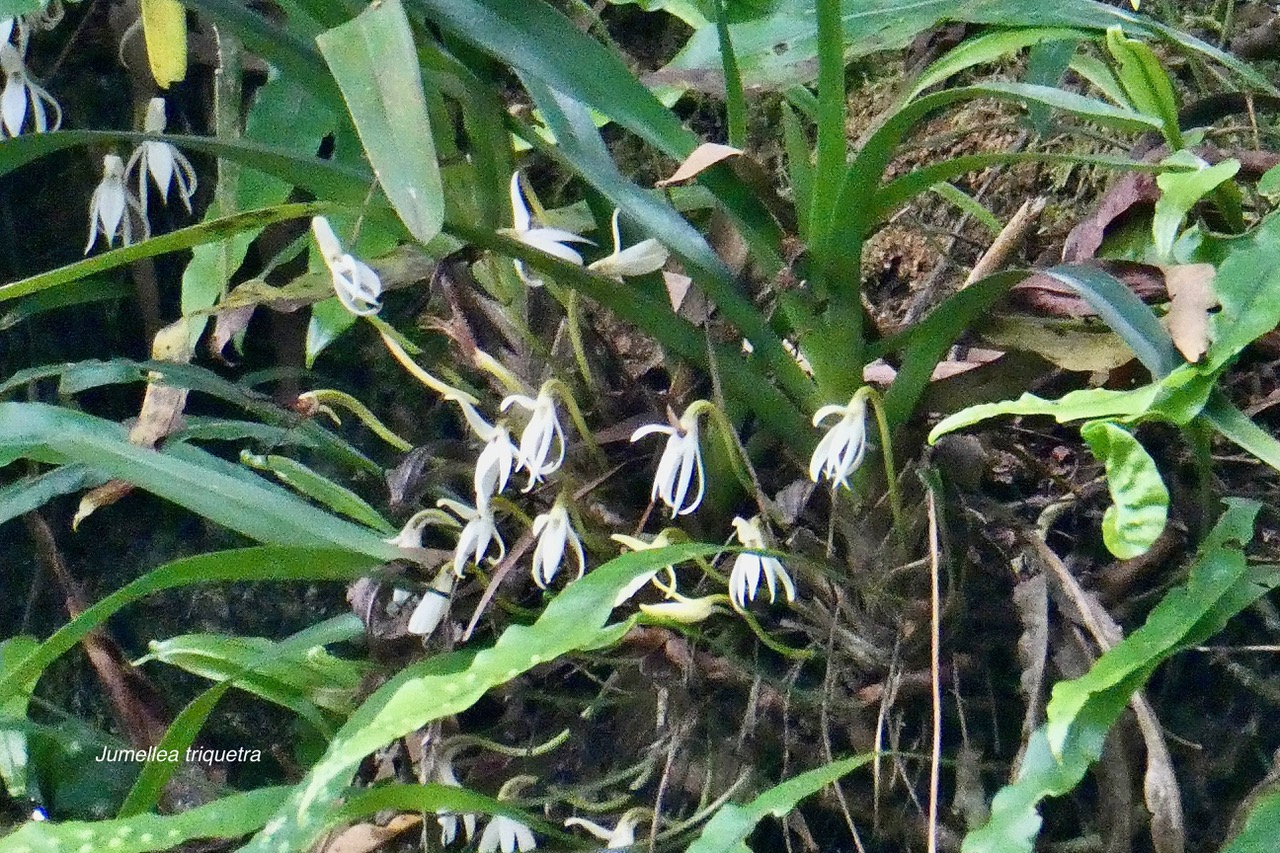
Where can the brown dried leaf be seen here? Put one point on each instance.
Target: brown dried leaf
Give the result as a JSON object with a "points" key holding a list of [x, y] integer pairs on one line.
{"points": [[1031, 598], [1159, 785], [1191, 298], [160, 415], [1134, 189], [368, 837], [226, 325], [703, 157]]}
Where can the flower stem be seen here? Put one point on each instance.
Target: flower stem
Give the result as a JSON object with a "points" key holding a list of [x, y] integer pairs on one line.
{"points": [[562, 391], [886, 450]]}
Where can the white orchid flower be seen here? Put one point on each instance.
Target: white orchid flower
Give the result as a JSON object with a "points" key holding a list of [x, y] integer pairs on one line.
{"points": [[357, 285], [433, 606], [549, 240], [21, 92], [841, 450], [443, 775], [508, 835], [618, 838], [542, 431], [499, 457], [744, 580], [555, 533], [431, 610], [14, 31], [110, 205], [480, 531], [641, 259], [681, 460], [162, 161]]}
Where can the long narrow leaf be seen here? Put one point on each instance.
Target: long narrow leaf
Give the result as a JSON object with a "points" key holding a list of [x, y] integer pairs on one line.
{"points": [[174, 241], [229, 817], [243, 564], [267, 515], [375, 62], [729, 828], [1126, 315]]}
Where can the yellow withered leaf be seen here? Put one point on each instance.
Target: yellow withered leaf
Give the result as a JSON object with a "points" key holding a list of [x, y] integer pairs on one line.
{"points": [[164, 25]]}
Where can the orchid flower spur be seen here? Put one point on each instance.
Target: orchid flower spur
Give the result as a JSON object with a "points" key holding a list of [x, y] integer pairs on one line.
{"points": [[433, 606], [480, 531], [620, 837], [641, 259], [744, 580], [21, 92], [110, 205], [164, 162], [681, 460], [549, 240], [687, 611], [542, 431], [555, 533], [357, 285], [841, 450]]}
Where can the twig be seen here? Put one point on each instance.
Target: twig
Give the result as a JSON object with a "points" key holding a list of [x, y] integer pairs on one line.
{"points": [[1007, 241], [935, 606], [825, 726]]}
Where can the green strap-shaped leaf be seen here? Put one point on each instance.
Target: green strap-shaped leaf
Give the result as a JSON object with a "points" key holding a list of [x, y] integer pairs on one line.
{"points": [[34, 492], [535, 39], [1146, 84], [186, 727], [13, 717], [229, 817], [451, 683], [728, 829], [184, 238], [1179, 397], [1139, 500], [990, 47], [243, 503], [83, 375], [375, 62], [780, 49], [319, 488]]}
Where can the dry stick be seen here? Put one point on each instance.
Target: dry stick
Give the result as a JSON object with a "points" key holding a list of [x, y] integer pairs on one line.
{"points": [[1007, 241], [504, 568], [676, 739], [935, 606]]}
